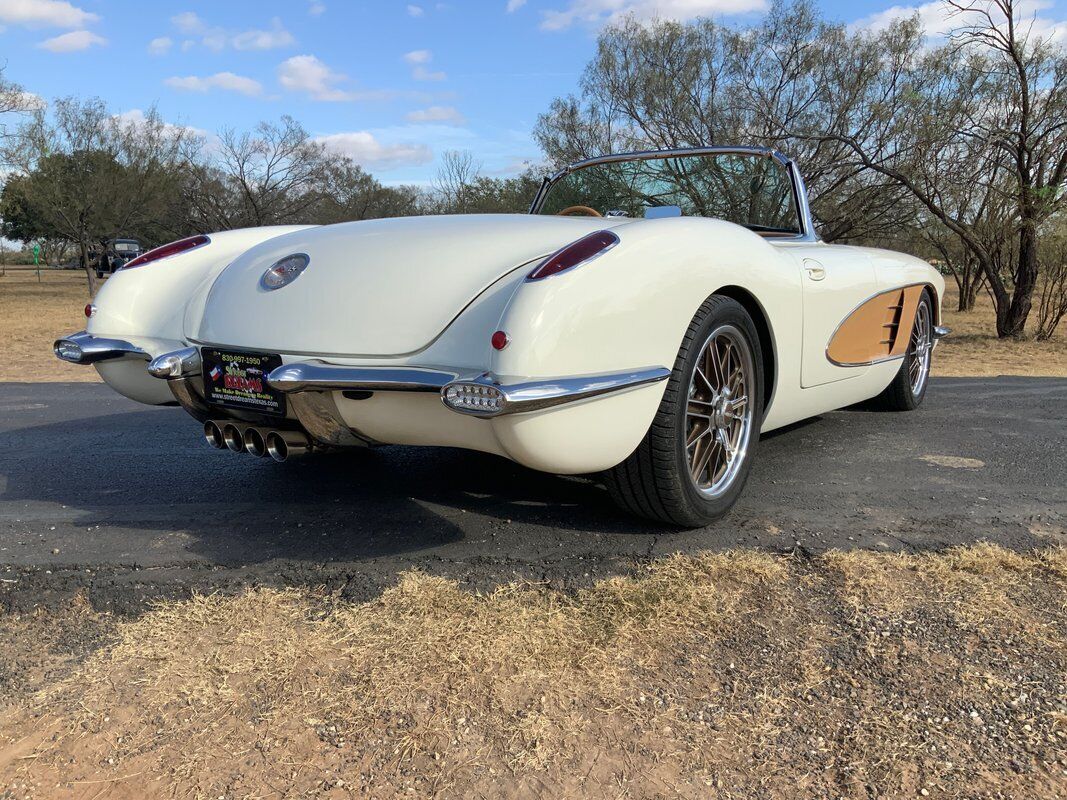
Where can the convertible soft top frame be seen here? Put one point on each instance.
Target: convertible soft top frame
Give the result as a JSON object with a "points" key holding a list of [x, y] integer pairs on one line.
{"points": [[800, 194]]}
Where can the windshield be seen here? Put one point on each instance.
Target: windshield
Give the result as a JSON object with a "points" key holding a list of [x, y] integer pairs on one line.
{"points": [[126, 247], [753, 190]]}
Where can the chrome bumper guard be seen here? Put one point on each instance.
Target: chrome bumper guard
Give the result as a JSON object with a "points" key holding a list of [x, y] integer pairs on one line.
{"points": [[84, 348]]}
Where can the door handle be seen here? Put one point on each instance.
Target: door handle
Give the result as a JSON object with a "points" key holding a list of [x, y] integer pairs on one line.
{"points": [[815, 270]]}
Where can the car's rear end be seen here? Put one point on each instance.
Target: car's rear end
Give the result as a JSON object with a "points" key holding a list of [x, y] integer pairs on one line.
{"points": [[403, 331]]}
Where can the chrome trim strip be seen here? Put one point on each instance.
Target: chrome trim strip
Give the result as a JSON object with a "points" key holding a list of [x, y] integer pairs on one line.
{"points": [[534, 395], [92, 349], [940, 331], [800, 194], [321, 376]]}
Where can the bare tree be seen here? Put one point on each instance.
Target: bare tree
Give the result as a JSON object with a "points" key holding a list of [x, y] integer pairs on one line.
{"points": [[667, 85], [1052, 286], [458, 171], [277, 172], [987, 112]]}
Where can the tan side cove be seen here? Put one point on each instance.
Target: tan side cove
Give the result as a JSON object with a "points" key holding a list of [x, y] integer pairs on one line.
{"points": [[877, 330]]}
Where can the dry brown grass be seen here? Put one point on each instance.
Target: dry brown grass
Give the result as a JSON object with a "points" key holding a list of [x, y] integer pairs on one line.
{"points": [[32, 316], [973, 349], [719, 676]]}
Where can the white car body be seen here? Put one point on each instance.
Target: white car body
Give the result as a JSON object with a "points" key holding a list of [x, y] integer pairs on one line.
{"points": [[387, 301]]}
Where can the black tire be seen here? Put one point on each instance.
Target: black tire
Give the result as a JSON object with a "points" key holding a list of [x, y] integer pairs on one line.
{"points": [[655, 481], [904, 394]]}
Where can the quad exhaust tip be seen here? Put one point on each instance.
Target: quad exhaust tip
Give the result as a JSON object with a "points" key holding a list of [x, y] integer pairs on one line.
{"points": [[213, 435], [283, 445], [233, 437], [280, 445], [254, 442]]}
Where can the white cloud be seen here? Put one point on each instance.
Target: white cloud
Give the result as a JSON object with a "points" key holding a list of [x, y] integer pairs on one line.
{"points": [[277, 36], [315, 8], [188, 22], [44, 13], [599, 12], [938, 20], [423, 74], [309, 75], [515, 5], [934, 18], [415, 11], [72, 42], [217, 39], [419, 59], [135, 117], [226, 81], [28, 101], [436, 114], [365, 149], [160, 45]]}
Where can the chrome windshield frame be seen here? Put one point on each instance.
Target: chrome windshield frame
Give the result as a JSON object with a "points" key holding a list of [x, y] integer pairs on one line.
{"points": [[800, 193]]}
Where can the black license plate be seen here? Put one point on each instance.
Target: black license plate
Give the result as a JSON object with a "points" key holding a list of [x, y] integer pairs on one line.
{"points": [[239, 380]]}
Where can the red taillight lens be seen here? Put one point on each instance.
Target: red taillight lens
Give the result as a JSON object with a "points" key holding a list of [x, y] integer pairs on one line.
{"points": [[574, 254], [172, 249]]}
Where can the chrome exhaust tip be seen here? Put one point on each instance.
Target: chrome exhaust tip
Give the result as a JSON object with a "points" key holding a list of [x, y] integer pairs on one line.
{"points": [[283, 445], [254, 442], [233, 438], [213, 435]]}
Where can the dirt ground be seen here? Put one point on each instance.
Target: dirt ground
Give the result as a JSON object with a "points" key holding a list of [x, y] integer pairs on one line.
{"points": [[33, 315], [720, 676]]}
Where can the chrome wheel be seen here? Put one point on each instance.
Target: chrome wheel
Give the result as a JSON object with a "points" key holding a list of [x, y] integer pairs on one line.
{"points": [[719, 410], [919, 349]]}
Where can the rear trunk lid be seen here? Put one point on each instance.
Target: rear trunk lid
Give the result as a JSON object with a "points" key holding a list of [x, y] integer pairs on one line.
{"points": [[378, 287]]}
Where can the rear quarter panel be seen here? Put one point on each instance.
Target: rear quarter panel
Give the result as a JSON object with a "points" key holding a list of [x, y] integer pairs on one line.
{"points": [[627, 309]]}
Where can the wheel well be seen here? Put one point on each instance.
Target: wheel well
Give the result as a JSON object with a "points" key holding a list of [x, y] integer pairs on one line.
{"points": [[766, 342]]}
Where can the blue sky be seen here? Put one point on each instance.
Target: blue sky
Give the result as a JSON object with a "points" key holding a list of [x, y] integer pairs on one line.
{"points": [[392, 83]]}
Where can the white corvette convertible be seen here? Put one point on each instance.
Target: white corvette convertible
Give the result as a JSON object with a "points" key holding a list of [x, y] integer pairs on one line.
{"points": [[650, 316]]}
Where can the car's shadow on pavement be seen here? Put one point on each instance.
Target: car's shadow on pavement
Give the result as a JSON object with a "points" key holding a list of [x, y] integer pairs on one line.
{"points": [[105, 486]]}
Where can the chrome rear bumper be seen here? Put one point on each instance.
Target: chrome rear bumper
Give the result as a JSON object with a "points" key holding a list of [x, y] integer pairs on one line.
{"points": [[501, 395], [310, 385]]}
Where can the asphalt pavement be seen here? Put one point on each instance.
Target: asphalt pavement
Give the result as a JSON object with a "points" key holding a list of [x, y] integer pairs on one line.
{"points": [[125, 503]]}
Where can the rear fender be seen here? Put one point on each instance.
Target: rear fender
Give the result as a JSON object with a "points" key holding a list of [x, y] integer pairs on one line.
{"points": [[630, 308]]}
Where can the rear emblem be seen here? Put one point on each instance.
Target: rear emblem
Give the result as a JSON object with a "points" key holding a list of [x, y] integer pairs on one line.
{"points": [[284, 271]]}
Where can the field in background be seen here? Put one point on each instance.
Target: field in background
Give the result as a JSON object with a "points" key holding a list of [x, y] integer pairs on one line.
{"points": [[974, 349], [33, 315], [853, 675]]}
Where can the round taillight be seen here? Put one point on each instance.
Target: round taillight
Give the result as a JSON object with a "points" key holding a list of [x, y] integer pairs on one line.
{"points": [[90, 309], [164, 251], [499, 340], [585, 249]]}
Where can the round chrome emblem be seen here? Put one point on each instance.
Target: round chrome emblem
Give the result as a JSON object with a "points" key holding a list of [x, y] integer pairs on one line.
{"points": [[284, 271]]}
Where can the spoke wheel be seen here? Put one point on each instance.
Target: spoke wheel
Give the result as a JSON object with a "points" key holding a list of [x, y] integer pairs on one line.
{"points": [[718, 419], [919, 349], [908, 387], [692, 464]]}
